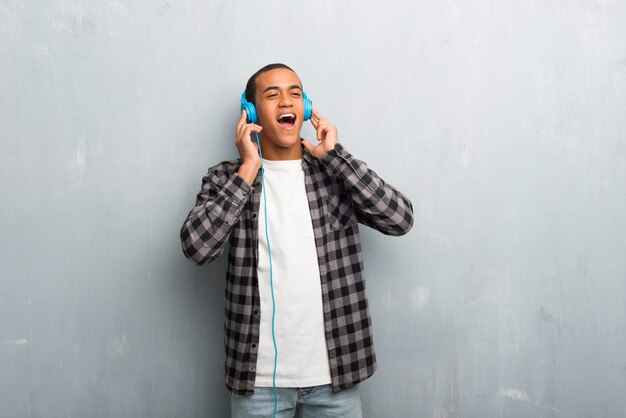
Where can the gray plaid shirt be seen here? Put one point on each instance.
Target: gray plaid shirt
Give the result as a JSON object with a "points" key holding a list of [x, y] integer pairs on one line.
{"points": [[342, 191]]}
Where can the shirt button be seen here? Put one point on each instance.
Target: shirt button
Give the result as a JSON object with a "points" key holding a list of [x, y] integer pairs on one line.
{"points": [[253, 345], [251, 369], [254, 215], [255, 312], [257, 184]]}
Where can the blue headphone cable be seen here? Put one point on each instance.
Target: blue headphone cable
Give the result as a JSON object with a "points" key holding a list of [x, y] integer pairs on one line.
{"points": [[269, 251]]}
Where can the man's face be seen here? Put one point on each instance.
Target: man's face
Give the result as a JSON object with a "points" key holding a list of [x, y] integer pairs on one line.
{"points": [[279, 106]]}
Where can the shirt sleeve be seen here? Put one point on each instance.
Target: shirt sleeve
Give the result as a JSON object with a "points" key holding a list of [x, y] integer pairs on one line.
{"points": [[209, 224], [378, 205]]}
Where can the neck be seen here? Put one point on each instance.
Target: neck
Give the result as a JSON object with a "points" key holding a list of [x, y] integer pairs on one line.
{"points": [[272, 152]]}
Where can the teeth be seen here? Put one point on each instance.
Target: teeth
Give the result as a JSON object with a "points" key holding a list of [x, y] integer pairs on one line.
{"points": [[290, 115]]}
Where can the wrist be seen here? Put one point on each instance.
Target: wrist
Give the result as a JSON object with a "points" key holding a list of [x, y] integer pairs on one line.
{"points": [[248, 172], [330, 148]]}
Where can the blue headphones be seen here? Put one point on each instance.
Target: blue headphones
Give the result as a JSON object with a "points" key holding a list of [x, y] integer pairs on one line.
{"points": [[254, 118]]}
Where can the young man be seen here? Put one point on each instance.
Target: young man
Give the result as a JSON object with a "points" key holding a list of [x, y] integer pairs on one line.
{"points": [[315, 195]]}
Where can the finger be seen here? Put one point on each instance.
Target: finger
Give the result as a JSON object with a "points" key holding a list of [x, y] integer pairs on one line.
{"points": [[252, 125], [246, 131], [242, 122], [249, 128], [318, 115], [321, 132]]}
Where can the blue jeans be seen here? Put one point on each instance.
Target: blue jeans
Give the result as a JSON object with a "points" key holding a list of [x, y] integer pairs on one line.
{"points": [[307, 402]]}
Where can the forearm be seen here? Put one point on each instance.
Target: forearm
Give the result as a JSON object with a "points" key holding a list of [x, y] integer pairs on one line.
{"points": [[248, 172], [209, 224], [379, 205]]}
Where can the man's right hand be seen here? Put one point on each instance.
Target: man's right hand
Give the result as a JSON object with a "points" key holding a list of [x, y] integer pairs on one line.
{"points": [[248, 149]]}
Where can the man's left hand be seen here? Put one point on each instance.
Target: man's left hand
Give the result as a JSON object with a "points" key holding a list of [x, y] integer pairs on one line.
{"points": [[326, 134]]}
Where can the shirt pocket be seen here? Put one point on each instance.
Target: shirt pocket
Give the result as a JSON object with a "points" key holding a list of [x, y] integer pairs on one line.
{"points": [[340, 213]]}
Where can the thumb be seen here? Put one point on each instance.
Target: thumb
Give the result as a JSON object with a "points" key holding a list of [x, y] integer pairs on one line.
{"points": [[306, 144]]}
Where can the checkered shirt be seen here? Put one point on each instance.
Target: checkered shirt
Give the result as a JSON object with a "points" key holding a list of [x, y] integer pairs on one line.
{"points": [[342, 192]]}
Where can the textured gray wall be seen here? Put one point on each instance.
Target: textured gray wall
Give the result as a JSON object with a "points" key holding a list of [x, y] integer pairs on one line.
{"points": [[503, 121]]}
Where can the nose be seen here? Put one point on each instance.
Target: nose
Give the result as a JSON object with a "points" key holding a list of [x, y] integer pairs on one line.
{"points": [[285, 100]]}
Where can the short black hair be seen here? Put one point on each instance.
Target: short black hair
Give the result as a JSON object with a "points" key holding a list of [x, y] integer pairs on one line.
{"points": [[251, 84]]}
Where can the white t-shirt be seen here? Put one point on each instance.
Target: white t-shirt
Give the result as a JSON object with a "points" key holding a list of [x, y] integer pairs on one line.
{"points": [[299, 321]]}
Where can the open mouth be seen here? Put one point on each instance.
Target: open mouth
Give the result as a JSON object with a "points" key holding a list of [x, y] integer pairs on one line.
{"points": [[287, 120]]}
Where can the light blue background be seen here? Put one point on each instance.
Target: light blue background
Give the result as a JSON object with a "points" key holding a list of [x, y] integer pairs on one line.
{"points": [[503, 121]]}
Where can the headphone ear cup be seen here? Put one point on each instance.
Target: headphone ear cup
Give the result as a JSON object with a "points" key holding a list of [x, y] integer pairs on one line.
{"points": [[308, 106], [251, 111], [249, 108]]}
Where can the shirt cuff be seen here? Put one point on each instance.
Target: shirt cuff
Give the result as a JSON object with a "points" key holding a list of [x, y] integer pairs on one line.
{"points": [[236, 189], [335, 158], [241, 183]]}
